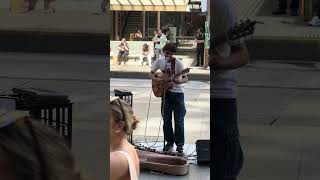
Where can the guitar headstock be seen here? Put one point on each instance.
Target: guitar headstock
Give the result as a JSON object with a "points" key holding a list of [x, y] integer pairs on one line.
{"points": [[243, 29], [185, 71]]}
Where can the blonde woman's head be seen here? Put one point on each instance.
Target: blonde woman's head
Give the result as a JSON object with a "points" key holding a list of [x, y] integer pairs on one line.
{"points": [[122, 118]]}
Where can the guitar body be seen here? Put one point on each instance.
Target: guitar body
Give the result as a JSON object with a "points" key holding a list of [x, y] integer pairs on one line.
{"points": [[164, 83], [157, 86], [168, 164]]}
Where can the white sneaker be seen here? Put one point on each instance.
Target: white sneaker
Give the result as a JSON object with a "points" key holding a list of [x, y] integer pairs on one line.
{"points": [[315, 21]]}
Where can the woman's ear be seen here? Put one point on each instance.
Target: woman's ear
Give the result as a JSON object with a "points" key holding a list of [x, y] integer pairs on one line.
{"points": [[122, 125], [119, 126]]}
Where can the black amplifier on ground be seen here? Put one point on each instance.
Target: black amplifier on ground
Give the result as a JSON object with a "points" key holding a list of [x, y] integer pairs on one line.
{"points": [[203, 152]]}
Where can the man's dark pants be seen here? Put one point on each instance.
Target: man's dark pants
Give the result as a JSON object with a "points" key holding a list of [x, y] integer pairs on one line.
{"points": [[226, 152], [174, 102], [200, 51]]}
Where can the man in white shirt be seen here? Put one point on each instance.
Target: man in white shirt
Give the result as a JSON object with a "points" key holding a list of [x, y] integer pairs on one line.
{"points": [[160, 40], [226, 152], [173, 99]]}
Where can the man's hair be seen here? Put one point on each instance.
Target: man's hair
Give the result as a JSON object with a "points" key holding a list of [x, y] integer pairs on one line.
{"points": [[170, 47]]}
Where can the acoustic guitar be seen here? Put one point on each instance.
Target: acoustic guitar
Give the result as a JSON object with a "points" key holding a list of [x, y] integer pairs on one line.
{"points": [[165, 81]]}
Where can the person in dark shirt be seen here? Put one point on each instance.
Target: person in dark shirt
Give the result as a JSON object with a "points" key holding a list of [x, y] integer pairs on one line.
{"points": [[200, 47]]}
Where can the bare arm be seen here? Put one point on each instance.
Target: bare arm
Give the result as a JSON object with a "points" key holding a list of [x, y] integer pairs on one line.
{"points": [[126, 47], [238, 58], [118, 165]]}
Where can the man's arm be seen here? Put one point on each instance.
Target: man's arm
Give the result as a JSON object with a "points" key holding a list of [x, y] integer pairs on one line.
{"points": [[120, 48], [126, 47], [183, 80], [165, 40], [184, 77], [238, 58]]}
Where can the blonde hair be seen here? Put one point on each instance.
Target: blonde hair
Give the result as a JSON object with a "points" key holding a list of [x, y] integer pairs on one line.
{"points": [[34, 151], [122, 111]]}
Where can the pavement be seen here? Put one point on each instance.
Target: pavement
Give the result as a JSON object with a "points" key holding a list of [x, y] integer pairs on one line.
{"points": [[278, 119]]}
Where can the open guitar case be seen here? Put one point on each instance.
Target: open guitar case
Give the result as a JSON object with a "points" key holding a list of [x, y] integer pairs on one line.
{"points": [[152, 160], [168, 164]]}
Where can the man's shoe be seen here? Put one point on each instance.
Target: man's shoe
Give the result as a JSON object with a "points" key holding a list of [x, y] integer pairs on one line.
{"points": [[168, 147], [279, 12], [179, 149]]}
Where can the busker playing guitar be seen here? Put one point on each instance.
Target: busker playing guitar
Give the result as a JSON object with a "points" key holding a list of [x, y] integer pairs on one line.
{"points": [[172, 98]]}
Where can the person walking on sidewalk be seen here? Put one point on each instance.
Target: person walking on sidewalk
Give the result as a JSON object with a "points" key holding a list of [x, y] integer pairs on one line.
{"points": [[226, 151], [200, 47], [282, 7], [160, 41], [173, 99]]}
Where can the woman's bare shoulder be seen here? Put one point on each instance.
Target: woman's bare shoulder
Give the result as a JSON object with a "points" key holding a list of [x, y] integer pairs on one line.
{"points": [[118, 165]]}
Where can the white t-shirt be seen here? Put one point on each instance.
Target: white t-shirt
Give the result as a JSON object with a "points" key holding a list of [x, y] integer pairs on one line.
{"points": [[163, 65], [223, 82]]}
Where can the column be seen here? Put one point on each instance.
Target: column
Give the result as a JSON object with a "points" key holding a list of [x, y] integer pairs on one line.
{"points": [[116, 24], [144, 23], [158, 21]]}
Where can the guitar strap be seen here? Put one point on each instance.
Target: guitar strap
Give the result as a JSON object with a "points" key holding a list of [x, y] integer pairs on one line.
{"points": [[173, 66]]}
